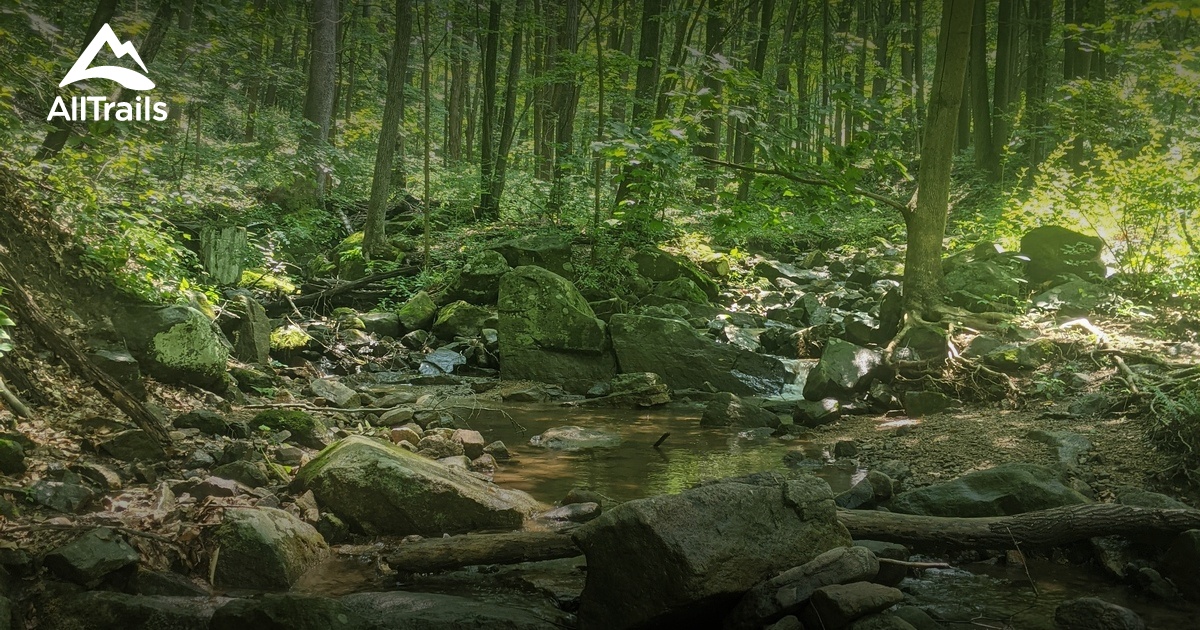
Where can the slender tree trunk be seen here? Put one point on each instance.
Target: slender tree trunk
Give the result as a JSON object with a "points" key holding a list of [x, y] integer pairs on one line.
{"points": [[255, 80], [883, 19], [826, 26], [489, 206], [375, 231], [1006, 65], [710, 139], [322, 80], [853, 116], [919, 67], [508, 123], [908, 34], [1035, 96], [963, 134], [565, 102], [981, 109], [460, 69], [646, 89], [926, 222], [426, 130], [745, 145]]}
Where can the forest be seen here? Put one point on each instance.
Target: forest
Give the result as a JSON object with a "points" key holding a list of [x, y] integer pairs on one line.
{"points": [[599, 314]]}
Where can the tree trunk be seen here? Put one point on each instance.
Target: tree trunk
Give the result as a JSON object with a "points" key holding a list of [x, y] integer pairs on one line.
{"points": [[254, 83], [1045, 528], [822, 131], [1006, 65], [981, 109], [646, 89], [375, 231], [222, 252], [919, 67], [508, 120], [444, 554], [489, 206], [879, 84], [908, 35], [853, 115], [710, 138], [564, 101], [460, 69], [744, 149], [926, 223], [322, 80], [1035, 96]]}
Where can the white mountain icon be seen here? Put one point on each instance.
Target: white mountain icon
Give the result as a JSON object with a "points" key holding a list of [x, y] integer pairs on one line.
{"points": [[130, 79]]}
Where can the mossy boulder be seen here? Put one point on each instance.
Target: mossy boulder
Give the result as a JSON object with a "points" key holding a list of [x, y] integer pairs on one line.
{"points": [[177, 344], [548, 251], [264, 548], [478, 282], [460, 319], [1001, 491], [249, 329], [306, 430], [377, 488], [417, 313], [348, 258], [548, 332], [347, 319], [289, 341], [661, 266], [682, 289], [12, 457]]}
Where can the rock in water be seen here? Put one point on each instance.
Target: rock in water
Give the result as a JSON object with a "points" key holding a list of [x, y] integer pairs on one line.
{"points": [[575, 439], [265, 548], [91, 556], [844, 369], [178, 344], [380, 489], [678, 561], [1091, 613], [727, 410], [1055, 251], [1001, 491], [837, 605], [549, 333], [687, 360]]}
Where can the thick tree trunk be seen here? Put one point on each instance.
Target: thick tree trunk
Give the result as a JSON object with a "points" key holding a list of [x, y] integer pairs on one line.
{"points": [[646, 89], [926, 223], [879, 83], [322, 82], [744, 149], [443, 554], [908, 34], [564, 102], [1007, 31], [375, 230], [508, 120], [981, 108], [1045, 528], [1035, 96], [223, 252]]}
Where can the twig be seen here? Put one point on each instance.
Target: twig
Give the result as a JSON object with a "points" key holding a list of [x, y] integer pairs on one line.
{"points": [[661, 440], [915, 565], [1024, 563]]}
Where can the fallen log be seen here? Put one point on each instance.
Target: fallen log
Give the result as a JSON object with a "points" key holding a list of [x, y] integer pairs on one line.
{"points": [[444, 554], [320, 296], [1044, 528], [28, 313]]}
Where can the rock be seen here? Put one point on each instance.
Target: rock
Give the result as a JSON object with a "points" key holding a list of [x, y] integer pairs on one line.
{"points": [[264, 548], [249, 330], [103, 477], [923, 343], [120, 365], [1001, 491], [165, 583], [636, 389], [288, 342], [436, 446], [1144, 498], [1075, 298], [844, 449], [572, 512], [61, 496], [790, 622], [104, 610], [382, 324], [286, 611], [1092, 613], [460, 319], [498, 450], [727, 410], [1054, 251], [573, 438], [332, 528], [472, 442], [979, 284], [441, 361], [837, 605], [682, 289], [212, 486], [549, 333], [672, 561], [917, 618], [91, 556], [551, 252], [133, 445], [686, 360], [882, 621], [400, 610], [479, 280], [787, 592], [844, 369], [889, 574], [1070, 446], [335, 393], [380, 489], [918, 404], [1180, 561], [203, 420], [246, 473], [417, 313], [814, 413], [661, 266], [178, 344], [305, 430], [12, 457]]}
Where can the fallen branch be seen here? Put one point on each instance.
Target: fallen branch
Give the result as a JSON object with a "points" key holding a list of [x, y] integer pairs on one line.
{"points": [[914, 565], [1104, 343], [1045, 528], [813, 181], [89, 526], [15, 404], [312, 407], [319, 296], [47, 331], [443, 554]]}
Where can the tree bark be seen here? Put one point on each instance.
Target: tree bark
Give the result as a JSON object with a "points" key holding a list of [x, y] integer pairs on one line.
{"points": [[744, 148], [1007, 31], [1035, 96], [1045, 528], [926, 224], [489, 206], [564, 102], [710, 139], [508, 120], [375, 229], [322, 80], [981, 109], [645, 91], [443, 554]]}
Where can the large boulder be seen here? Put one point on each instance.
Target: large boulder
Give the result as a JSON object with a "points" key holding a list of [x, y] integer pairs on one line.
{"points": [[92, 556], [286, 611], [549, 333], [844, 369], [460, 319], [660, 266], [548, 251], [104, 610], [417, 313], [1054, 251], [264, 548], [682, 560], [249, 329], [478, 282], [399, 610], [381, 489], [977, 285], [1001, 491], [177, 344], [687, 360]]}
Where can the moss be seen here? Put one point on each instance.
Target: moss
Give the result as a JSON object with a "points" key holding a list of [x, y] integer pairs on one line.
{"points": [[263, 279], [298, 422], [289, 338], [191, 346]]}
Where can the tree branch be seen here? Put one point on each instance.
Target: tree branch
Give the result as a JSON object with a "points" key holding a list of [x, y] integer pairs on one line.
{"points": [[814, 181]]}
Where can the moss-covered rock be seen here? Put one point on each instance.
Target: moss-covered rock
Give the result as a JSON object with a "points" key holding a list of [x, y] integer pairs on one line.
{"points": [[548, 251], [264, 548], [347, 319], [478, 282], [377, 488], [348, 258], [460, 319], [306, 430], [417, 313], [177, 344], [12, 457], [661, 266], [1001, 491], [682, 289], [289, 341], [549, 333]]}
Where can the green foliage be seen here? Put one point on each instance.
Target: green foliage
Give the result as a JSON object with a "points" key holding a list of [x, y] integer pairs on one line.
{"points": [[1173, 426]]}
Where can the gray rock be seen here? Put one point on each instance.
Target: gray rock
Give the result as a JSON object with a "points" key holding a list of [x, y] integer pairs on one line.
{"points": [[727, 410], [667, 561], [286, 611], [1069, 446], [336, 393], [882, 621], [918, 404], [889, 574], [838, 605], [572, 512], [92, 556], [201, 489], [1001, 491], [399, 610], [548, 251], [923, 343], [380, 489], [573, 438], [478, 282], [60, 496], [687, 360], [178, 344], [682, 289], [121, 365], [1055, 251], [165, 583], [472, 442], [1075, 298], [207, 422], [436, 446], [917, 618], [382, 324], [976, 285], [815, 413], [787, 592], [133, 445], [844, 369], [246, 473], [264, 548], [636, 389], [417, 313], [104, 610], [1092, 613], [441, 361], [498, 450], [790, 622], [249, 329], [460, 319], [1138, 497], [661, 266]]}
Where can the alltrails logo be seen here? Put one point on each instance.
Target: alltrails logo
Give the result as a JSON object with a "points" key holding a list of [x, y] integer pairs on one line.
{"points": [[142, 108]]}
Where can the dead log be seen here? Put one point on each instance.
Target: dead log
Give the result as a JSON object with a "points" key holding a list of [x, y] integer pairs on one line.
{"points": [[443, 554], [28, 313], [1044, 528], [310, 299]]}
